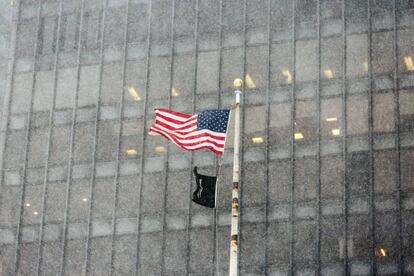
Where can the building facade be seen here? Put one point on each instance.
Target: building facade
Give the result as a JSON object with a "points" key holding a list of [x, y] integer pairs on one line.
{"points": [[327, 183]]}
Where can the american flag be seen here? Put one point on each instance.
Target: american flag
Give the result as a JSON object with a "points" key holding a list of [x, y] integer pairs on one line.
{"points": [[206, 130]]}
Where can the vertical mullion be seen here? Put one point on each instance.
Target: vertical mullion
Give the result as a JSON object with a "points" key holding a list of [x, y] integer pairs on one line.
{"points": [[49, 143], [86, 264], [344, 145], [370, 145], [216, 271], [71, 143], [292, 144], [120, 131], [267, 146], [144, 131], [26, 146], [192, 154], [397, 141], [318, 144], [167, 154]]}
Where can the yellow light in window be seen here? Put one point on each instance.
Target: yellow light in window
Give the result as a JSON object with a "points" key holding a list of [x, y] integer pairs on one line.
{"points": [[328, 73], [35, 213], [27, 204], [298, 136], [288, 76], [381, 252], [331, 119], [249, 82], [409, 63], [174, 92], [84, 199], [257, 140], [336, 132], [160, 149], [131, 152], [365, 64], [133, 93]]}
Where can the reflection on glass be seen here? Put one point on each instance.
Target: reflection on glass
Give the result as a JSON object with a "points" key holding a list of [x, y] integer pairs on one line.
{"points": [[381, 252], [131, 152], [408, 60], [249, 82], [336, 132], [257, 140], [332, 119], [160, 149], [174, 92], [328, 74], [288, 76], [133, 93], [298, 136]]}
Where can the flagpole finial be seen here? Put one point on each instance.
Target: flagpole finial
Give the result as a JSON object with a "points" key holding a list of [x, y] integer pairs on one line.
{"points": [[238, 83]]}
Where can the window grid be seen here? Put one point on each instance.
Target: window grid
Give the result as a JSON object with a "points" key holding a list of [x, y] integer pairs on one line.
{"points": [[294, 145]]}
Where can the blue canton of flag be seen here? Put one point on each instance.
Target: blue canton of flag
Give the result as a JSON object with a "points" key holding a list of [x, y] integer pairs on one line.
{"points": [[214, 120]]}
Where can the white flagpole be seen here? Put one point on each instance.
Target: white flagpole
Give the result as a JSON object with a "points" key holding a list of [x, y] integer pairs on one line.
{"points": [[234, 243]]}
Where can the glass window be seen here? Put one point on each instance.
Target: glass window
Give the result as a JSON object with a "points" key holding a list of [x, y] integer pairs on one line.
{"points": [[357, 115], [55, 202], [331, 58], [200, 260], [209, 24], [127, 196], [331, 118], [407, 170], [51, 258], [305, 179], [256, 68], [232, 67], [357, 177], [184, 21], [100, 258], [359, 246], [43, 94], [406, 111], [112, 83], [161, 23], [153, 193], [10, 200], [252, 253], [254, 185], [357, 55], [26, 37], [177, 190], [332, 168], [150, 253], [14, 151], [382, 52], [280, 181], [256, 24], [66, 87], [32, 205], [255, 125], [107, 142], [383, 112], [278, 243], [304, 238], [159, 79], [305, 125], [75, 257], [37, 145], [115, 26], [27, 265], [79, 201], [135, 80], [405, 50], [91, 29], [331, 237], [385, 170], [280, 123], [232, 23], [137, 22], [381, 14], [183, 77], [281, 19], [175, 255], [306, 66], [60, 145], [103, 198], [47, 35], [281, 64], [22, 87], [207, 72], [125, 255], [83, 144], [88, 85], [69, 32]]}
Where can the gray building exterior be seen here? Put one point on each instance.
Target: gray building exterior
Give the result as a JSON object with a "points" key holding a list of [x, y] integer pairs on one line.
{"points": [[327, 151]]}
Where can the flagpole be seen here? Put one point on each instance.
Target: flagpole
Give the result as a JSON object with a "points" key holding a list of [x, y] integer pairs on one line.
{"points": [[235, 212]]}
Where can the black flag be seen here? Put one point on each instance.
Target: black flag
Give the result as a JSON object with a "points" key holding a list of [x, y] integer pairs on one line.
{"points": [[205, 194]]}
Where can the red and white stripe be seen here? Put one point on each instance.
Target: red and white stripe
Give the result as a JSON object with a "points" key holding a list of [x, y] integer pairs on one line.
{"points": [[181, 129]]}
